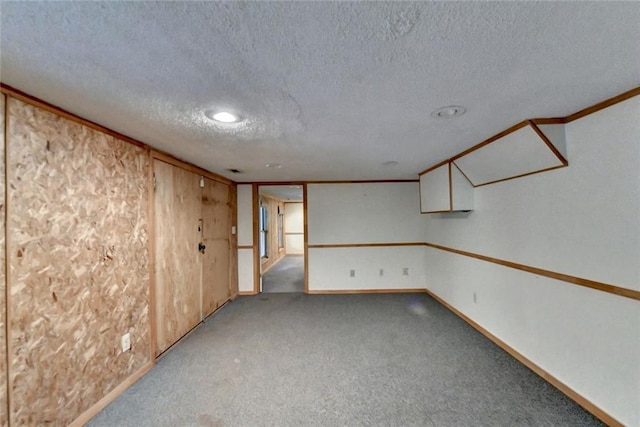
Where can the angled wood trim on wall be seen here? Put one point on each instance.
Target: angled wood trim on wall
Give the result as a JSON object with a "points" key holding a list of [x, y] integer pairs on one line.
{"points": [[569, 392], [604, 287], [533, 123], [604, 104], [362, 181], [364, 245], [519, 176], [367, 291], [436, 166], [43, 105], [111, 396], [491, 139], [547, 141], [525, 123]]}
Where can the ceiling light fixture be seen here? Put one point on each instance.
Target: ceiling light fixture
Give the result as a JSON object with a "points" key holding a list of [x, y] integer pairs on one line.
{"points": [[390, 163], [273, 165], [448, 112], [222, 116]]}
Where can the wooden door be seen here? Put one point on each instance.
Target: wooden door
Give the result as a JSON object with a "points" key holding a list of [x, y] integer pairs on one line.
{"points": [[216, 232], [178, 270]]}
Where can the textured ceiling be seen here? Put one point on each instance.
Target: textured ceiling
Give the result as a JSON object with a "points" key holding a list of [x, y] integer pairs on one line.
{"points": [[328, 90], [283, 192]]}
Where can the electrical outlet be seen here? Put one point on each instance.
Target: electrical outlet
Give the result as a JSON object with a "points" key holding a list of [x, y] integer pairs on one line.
{"points": [[126, 342], [352, 273], [381, 272], [405, 271]]}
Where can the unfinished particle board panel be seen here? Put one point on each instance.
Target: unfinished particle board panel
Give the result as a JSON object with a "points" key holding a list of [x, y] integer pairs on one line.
{"points": [[4, 417], [178, 263], [78, 264], [215, 233]]}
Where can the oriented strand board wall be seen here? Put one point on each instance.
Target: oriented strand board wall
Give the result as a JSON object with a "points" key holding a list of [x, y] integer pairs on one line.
{"points": [[216, 229], [3, 349], [178, 262], [79, 265]]}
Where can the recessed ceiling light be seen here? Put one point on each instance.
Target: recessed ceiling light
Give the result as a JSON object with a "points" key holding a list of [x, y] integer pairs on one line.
{"points": [[390, 163], [448, 112], [221, 116], [273, 165]]}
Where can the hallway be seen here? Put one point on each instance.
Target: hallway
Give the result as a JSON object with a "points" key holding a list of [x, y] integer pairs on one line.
{"points": [[285, 276]]}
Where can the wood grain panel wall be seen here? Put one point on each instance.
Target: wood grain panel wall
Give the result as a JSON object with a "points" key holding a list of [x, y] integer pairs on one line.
{"points": [[4, 416], [274, 252], [177, 207], [216, 232], [79, 266]]}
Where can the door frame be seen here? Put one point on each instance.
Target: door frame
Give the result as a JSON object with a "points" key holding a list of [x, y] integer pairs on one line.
{"points": [[257, 273]]}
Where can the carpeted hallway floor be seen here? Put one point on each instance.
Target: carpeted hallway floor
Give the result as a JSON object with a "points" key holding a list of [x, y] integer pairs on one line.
{"points": [[287, 275], [339, 360]]}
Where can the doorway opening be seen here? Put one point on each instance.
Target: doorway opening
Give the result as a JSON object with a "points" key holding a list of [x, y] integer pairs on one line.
{"points": [[281, 235]]}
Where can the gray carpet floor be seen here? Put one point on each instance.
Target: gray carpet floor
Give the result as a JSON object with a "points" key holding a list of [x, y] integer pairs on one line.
{"points": [[339, 360], [287, 275]]}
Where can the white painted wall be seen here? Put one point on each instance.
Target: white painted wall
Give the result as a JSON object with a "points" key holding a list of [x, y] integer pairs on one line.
{"points": [[329, 268], [364, 213], [245, 238], [245, 270], [294, 223], [582, 220], [245, 215]]}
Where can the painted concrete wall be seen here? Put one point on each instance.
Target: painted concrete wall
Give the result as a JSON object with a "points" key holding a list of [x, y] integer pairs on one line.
{"points": [[362, 214], [581, 220]]}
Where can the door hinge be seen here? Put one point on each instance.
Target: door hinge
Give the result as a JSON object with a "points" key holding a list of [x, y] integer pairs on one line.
{"points": [[154, 182], [202, 182]]}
